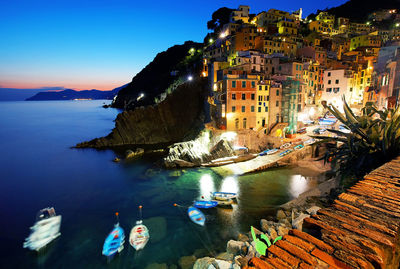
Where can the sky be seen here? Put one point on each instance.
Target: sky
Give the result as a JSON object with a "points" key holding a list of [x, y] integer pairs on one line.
{"points": [[87, 44]]}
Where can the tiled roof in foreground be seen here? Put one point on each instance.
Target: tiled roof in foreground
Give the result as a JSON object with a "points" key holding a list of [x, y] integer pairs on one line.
{"points": [[360, 230]]}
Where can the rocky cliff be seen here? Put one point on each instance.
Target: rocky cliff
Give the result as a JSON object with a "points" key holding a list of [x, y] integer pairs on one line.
{"points": [[178, 118]]}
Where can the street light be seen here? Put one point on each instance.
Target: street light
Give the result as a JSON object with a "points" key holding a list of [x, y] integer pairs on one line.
{"points": [[190, 78], [211, 40]]}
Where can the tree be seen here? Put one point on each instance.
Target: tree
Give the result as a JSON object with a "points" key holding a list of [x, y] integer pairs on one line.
{"points": [[219, 18], [374, 139]]}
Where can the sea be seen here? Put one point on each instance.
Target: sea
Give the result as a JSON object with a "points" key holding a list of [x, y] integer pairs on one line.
{"points": [[39, 168]]}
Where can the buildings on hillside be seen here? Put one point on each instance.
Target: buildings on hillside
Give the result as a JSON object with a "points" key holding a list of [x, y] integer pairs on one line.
{"points": [[275, 67]]}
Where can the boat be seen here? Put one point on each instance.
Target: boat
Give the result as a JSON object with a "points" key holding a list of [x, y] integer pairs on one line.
{"points": [[286, 152], [309, 141], [114, 241], [219, 195], [139, 235], [196, 216], [298, 147], [285, 146], [268, 152], [225, 203], [45, 230], [205, 204]]}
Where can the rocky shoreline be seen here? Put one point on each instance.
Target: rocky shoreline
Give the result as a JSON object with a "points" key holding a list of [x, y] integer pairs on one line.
{"points": [[289, 216]]}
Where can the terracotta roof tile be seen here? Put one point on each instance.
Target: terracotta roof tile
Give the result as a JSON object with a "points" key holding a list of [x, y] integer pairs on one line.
{"points": [[335, 263], [297, 252], [284, 255], [299, 242], [258, 263], [311, 239]]}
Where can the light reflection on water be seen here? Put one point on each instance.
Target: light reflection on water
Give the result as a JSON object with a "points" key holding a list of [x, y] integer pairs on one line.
{"points": [[298, 185]]}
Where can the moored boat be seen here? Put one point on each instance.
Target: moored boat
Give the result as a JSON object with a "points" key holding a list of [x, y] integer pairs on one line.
{"points": [[196, 216], [205, 204], [45, 230], [268, 152], [114, 241], [219, 195], [139, 235], [225, 203]]}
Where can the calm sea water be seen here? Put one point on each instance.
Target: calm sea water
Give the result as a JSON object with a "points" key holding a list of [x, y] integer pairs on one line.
{"points": [[39, 169]]}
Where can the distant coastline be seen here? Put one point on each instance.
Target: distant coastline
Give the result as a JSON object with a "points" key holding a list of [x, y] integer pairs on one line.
{"points": [[70, 94]]}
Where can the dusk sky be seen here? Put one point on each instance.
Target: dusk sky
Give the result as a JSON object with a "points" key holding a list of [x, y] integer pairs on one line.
{"points": [[103, 44]]}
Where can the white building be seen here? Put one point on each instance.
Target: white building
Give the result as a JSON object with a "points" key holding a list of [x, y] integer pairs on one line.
{"points": [[337, 83]]}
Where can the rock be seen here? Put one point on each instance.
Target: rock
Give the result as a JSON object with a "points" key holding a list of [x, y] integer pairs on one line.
{"points": [[282, 230], [204, 263], [225, 256], [187, 262], [298, 222], [222, 149], [175, 173], [182, 163], [272, 233], [264, 225], [313, 210], [234, 247], [158, 224], [201, 252], [157, 266], [241, 261], [129, 154], [280, 214], [116, 160], [243, 238], [159, 124]]}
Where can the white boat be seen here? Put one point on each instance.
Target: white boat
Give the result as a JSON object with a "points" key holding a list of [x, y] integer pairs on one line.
{"points": [[222, 196], [139, 236], [45, 230], [224, 203]]}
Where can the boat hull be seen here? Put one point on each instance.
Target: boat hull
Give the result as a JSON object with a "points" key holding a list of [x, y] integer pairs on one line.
{"points": [[114, 242], [139, 236], [43, 232], [222, 196], [196, 216], [205, 204]]}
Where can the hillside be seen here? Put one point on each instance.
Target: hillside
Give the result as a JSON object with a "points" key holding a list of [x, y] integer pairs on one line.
{"points": [[70, 94], [358, 10], [156, 77]]}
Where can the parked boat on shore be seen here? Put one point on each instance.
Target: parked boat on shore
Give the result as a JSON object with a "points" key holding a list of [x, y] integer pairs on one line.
{"points": [[45, 230], [268, 152]]}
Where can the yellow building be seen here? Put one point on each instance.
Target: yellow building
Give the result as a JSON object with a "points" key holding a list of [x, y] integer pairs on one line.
{"points": [[325, 17], [320, 27], [262, 112], [287, 27], [365, 41]]}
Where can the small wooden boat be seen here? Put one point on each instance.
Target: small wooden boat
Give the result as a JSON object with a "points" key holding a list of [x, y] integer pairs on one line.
{"points": [[139, 235], [286, 152], [205, 204], [219, 195], [45, 230], [196, 216], [114, 241], [298, 147], [225, 203], [268, 152]]}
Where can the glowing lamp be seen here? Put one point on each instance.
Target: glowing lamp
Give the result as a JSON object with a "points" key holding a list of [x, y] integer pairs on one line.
{"points": [[190, 78]]}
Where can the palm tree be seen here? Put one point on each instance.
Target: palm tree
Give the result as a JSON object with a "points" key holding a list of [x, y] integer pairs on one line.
{"points": [[374, 139]]}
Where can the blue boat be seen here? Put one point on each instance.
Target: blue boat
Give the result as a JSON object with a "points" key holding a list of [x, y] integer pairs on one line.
{"points": [[205, 204], [196, 216], [268, 152], [114, 242]]}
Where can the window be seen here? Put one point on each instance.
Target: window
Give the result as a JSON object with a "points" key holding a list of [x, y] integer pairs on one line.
{"points": [[351, 89], [297, 67], [337, 81], [300, 67], [253, 96], [259, 109], [236, 123], [244, 123], [335, 90], [277, 92], [252, 109], [233, 83], [328, 89], [329, 74], [243, 96], [233, 96], [259, 98], [243, 109], [329, 81], [277, 103], [243, 84], [267, 97], [233, 108], [266, 109], [260, 88], [253, 84]]}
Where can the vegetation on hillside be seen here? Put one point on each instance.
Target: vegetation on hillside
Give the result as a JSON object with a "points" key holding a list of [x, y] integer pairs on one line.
{"points": [[374, 139]]}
